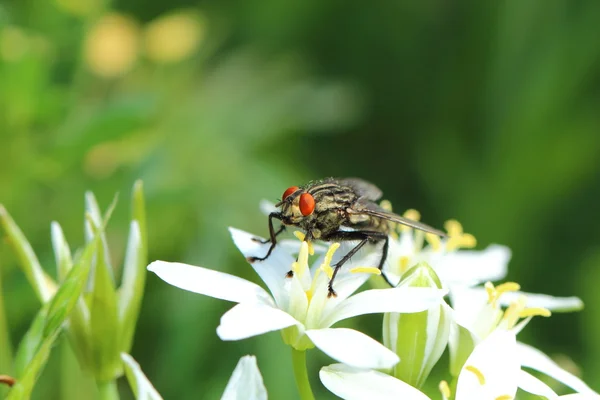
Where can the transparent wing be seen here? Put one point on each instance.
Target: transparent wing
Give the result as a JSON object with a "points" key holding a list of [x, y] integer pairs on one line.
{"points": [[362, 188], [372, 209]]}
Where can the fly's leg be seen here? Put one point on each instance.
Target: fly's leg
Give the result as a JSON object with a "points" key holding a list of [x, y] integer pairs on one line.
{"points": [[272, 238], [281, 229], [364, 237], [384, 254]]}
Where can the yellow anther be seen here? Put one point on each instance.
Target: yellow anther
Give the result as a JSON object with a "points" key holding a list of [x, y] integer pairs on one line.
{"points": [[504, 397], [326, 266], [535, 312], [327, 269], [445, 390], [477, 373], [434, 241], [404, 263], [366, 270], [410, 214], [512, 313], [457, 238], [494, 293], [300, 267], [301, 236], [386, 205], [453, 227]]}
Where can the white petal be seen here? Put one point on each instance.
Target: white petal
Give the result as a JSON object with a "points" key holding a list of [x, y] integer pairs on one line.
{"points": [[533, 385], [533, 358], [209, 282], [358, 384], [397, 300], [267, 207], [497, 361], [353, 348], [473, 312], [552, 303], [246, 382], [140, 385], [470, 267], [273, 270], [246, 320]]}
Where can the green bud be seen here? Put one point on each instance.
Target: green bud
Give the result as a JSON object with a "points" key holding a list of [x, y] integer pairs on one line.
{"points": [[461, 345], [419, 339]]}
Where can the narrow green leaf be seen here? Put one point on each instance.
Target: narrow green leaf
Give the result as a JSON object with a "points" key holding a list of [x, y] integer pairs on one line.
{"points": [[6, 351], [104, 326], [25, 383], [132, 288], [42, 284], [138, 207], [68, 293], [31, 341], [94, 220], [140, 385], [62, 253]]}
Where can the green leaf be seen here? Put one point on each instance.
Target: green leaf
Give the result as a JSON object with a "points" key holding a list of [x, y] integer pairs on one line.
{"points": [[96, 221], [31, 341], [6, 351], [25, 383], [62, 253], [104, 326], [134, 271], [42, 284], [68, 293], [140, 385]]}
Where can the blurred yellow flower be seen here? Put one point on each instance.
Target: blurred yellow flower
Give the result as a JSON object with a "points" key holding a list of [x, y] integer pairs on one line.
{"points": [[173, 37], [14, 43], [112, 45]]}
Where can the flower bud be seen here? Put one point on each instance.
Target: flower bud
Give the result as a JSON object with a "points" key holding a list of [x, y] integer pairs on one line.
{"points": [[419, 339]]}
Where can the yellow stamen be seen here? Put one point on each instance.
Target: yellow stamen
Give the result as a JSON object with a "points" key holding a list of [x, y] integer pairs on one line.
{"points": [[512, 313], [404, 260], [410, 214], [445, 390], [434, 241], [386, 205], [326, 267], [494, 293], [535, 312], [301, 236], [504, 397], [457, 238], [477, 373], [366, 270]]}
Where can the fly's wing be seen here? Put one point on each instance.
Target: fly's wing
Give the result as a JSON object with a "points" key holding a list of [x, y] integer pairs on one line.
{"points": [[362, 188], [372, 209]]}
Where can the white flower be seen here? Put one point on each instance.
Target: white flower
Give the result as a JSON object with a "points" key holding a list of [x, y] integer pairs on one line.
{"points": [[299, 305], [477, 314], [455, 266], [246, 382], [492, 372]]}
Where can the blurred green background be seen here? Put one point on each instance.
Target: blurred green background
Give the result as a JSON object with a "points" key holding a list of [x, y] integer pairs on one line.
{"points": [[488, 112]]}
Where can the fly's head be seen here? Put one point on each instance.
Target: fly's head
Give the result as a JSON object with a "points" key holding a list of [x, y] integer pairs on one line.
{"points": [[297, 206]]}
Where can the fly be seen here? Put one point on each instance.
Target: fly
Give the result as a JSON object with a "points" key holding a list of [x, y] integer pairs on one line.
{"points": [[324, 207]]}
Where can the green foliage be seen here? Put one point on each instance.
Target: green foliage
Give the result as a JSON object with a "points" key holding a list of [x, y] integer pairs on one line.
{"points": [[482, 111]]}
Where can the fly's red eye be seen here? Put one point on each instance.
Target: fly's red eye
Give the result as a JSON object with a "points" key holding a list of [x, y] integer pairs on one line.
{"points": [[289, 191], [307, 204]]}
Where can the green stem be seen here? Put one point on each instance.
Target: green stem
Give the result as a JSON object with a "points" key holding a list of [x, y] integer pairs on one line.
{"points": [[108, 390], [301, 375], [6, 354]]}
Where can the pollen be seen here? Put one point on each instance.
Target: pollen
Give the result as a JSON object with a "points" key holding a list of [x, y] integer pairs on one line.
{"points": [[301, 236], [477, 373], [445, 390], [366, 270], [504, 397]]}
